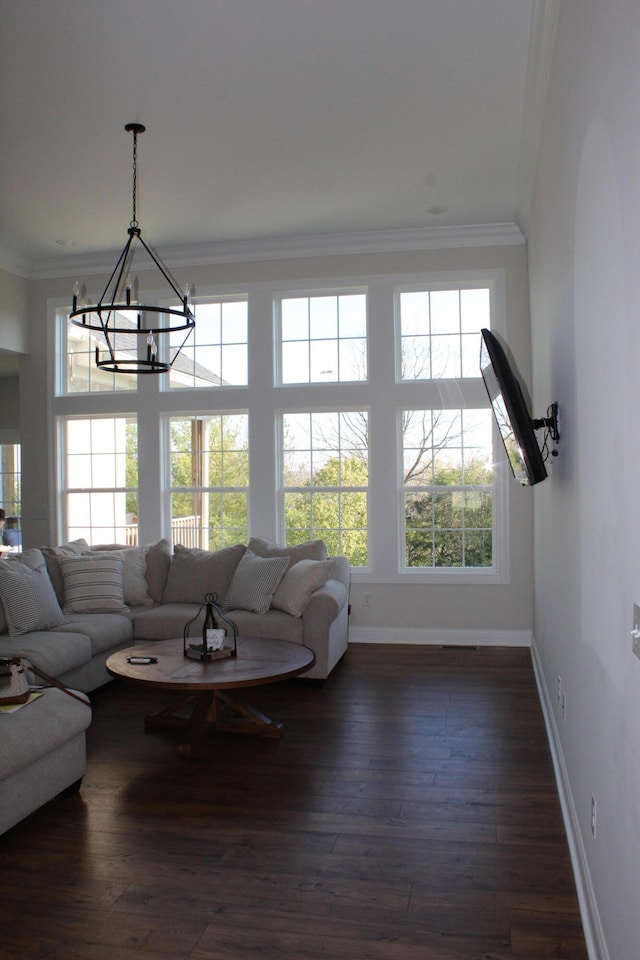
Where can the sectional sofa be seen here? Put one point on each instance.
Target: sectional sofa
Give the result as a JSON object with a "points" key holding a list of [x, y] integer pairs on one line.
{"points": [[66, 609]]}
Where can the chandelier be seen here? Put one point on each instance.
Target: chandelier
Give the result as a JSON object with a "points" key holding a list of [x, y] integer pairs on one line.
{"points": [[127, 328]]}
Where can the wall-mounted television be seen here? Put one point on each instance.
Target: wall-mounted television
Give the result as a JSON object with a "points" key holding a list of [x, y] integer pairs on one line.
{"points": [[516, 426]]}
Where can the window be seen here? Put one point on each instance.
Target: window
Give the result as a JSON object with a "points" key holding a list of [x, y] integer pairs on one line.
{"points": [[325, 478], [209, 476], [100, 479], [10, 494], [439, 332], [448, 488], [216, 354], [79, 374], [323, 338]]}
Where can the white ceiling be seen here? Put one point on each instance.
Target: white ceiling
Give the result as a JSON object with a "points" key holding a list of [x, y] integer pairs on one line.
{"points": [[266, 119]]}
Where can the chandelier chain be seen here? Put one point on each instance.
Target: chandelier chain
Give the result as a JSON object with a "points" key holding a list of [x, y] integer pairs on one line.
{"points": [[134, 220]]}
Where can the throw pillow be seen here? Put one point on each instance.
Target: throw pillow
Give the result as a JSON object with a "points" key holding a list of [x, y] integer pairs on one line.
{"points": [[134, 583], [158, 566], [298, 584], [310, 550], [93, 583], [75, 548], [194, 573], [27, 594], [254, 582]]}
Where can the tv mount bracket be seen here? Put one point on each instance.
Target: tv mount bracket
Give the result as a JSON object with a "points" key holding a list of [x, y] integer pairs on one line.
{"points": [[550, 425]]}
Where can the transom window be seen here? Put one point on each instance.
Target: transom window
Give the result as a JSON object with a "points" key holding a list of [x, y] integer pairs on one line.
{"points": [[440, 330], [323, 338], [209, 477], [78, 373], [216, 354], [447, 488], [325, 473]]}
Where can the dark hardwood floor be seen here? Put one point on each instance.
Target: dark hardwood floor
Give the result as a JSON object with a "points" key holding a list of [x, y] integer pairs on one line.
{"points": [[409, 812]]}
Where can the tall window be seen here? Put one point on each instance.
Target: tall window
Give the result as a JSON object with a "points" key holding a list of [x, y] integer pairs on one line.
{"points": [[448, 493], [10, 494], [209, 465], [325, 480], [217, 352], [100, 479], [448, 488], [323, 338]]}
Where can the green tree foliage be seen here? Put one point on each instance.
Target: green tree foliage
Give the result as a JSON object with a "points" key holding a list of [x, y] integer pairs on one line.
{"points": [[337, 516], [451, 527]]}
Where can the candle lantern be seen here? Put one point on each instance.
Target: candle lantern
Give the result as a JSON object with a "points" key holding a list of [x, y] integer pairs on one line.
{"points": [[216, 641]]}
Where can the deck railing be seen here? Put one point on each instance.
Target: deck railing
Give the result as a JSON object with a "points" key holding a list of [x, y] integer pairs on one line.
{"points": [[184, 530]]}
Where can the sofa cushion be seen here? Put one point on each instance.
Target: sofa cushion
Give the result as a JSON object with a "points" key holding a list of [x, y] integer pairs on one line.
{"points": [[93, 583], [194, 573], [254, 582], [54, 651], [298, 584], [104, 630], [28, 598], [310, 550], [74, 548]]}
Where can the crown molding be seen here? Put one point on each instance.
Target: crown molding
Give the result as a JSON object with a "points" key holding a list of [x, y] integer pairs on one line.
{"points": [[544, 21], [12, 263], [293, 248]]}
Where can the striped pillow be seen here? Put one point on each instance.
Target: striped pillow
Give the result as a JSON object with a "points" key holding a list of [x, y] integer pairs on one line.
{"points": [[254, 582], [93, 584], [27, 595]]}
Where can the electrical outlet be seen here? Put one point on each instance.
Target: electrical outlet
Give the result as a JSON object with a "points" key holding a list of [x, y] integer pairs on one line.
{"points": [[559, 688], [635, 633], [366, 600], [593, 814]]}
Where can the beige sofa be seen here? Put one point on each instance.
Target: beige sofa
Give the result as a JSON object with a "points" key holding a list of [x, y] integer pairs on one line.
{"points": [[66, 609], [71, 635]]}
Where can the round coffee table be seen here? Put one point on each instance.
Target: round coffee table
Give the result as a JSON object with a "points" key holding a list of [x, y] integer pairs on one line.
{"points": [[258, 661]]}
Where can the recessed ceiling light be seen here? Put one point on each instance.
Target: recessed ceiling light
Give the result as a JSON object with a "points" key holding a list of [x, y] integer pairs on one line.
{"points": [[66, 243], [436, 211]]}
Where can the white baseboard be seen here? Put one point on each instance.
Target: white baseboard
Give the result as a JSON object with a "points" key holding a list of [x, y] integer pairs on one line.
{"points": [[441, 637], [591, 923]]}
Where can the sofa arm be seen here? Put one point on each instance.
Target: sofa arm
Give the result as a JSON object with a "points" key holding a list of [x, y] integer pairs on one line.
{"points": [[324, 604]]}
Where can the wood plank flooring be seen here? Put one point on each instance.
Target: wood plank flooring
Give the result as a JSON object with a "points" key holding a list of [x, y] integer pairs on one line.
{"points": [[409, 812]]}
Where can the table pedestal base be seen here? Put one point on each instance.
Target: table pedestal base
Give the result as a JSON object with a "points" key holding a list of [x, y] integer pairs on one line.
{"points": [[213, 711]]}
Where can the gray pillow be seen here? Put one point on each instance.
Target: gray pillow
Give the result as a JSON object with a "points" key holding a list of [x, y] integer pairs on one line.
{"points": [[194, 573], [310, 550], [27, 594], [93, 584], [254, 582], [298, 584], [134, 582], [158, 566]]}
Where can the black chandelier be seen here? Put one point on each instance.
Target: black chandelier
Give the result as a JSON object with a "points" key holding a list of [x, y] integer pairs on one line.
{"points": [[127, 327]]}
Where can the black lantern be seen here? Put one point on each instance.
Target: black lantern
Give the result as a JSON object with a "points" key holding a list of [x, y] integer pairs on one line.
{"points": [[215, 643]]}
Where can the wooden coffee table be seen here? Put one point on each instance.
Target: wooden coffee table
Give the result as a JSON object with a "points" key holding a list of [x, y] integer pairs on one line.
{"points": [[258, 661]]}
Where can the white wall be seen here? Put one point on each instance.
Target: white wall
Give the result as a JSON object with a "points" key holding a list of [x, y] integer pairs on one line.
{"points": [[400, 612], [584, 269]]}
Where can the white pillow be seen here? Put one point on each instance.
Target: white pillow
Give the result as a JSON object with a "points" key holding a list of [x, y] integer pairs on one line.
{"points": [[27, 594], [298, 584], [93, 583], [254, 582]]}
